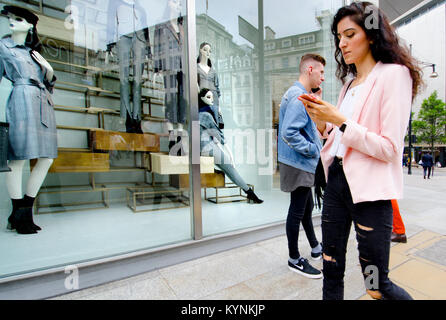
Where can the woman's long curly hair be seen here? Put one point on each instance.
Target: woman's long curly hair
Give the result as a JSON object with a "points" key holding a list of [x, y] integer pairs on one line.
{"points": [[385, 44]]}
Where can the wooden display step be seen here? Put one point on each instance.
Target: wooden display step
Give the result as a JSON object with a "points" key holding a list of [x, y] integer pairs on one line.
{"points": [[114, 140], [79, 162], [162, 163], [208, 180]]}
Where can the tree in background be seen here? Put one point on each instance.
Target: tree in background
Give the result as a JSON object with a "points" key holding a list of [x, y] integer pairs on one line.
{"points": [[431, 124]]}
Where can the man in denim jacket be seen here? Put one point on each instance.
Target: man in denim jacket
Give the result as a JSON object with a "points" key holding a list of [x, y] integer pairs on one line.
{"points": [[298, 154]]}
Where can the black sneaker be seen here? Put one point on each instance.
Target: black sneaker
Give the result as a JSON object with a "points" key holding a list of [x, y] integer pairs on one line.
{"points": [[317, 255], [304, 268]]}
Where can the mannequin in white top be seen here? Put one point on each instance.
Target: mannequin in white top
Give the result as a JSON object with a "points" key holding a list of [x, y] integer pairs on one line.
{"points": [[207, 76]]}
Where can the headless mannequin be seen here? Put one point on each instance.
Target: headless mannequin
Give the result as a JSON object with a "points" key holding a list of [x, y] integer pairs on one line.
{"points": [[20, 30], [130, 108], [174, 12]]}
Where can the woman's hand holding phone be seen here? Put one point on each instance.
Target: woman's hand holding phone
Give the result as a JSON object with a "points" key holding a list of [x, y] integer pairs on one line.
{"points": [[321, 111]]}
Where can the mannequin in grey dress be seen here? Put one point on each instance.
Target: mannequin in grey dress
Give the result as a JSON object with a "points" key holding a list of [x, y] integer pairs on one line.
{"points": [[32, 132]]}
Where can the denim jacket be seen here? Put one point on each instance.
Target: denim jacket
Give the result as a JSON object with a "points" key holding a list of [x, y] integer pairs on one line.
{"points": [[298, 142]]}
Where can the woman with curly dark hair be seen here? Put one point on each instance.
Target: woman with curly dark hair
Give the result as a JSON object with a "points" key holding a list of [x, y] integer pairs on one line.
{"points": [[363, 151]]}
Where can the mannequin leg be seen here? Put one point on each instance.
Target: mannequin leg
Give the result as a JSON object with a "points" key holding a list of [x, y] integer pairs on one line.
{"points": [[38, 175], [17, 220], [14, 179], [35, 181], [223, 161]]}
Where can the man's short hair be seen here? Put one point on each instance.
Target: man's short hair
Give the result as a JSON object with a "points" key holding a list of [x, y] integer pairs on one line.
{"points": [[310, 56]]}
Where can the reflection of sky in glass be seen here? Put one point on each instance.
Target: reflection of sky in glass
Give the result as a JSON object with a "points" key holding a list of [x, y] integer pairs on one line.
{"points": [[289, 18]]}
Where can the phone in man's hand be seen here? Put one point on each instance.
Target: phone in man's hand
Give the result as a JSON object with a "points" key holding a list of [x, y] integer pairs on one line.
{"points": [[314, 90]]}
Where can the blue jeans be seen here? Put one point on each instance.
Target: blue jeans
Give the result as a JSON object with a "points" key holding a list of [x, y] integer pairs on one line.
{"points": [[131, 52], [223, 161], [373, 224]]}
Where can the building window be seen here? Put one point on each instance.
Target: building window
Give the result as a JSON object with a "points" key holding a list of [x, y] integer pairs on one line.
{"points": [[247, 81], [270, 46], [239, 98], [286, 43], [306, 39], [247, 98], [285, 62], [268, 65]]}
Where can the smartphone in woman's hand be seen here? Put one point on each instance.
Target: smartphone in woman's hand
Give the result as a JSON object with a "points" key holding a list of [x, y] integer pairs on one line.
{"points": [[308, 97]]}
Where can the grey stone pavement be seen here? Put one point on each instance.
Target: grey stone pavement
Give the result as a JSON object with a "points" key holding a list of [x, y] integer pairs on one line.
{"points": [[259, 270]]}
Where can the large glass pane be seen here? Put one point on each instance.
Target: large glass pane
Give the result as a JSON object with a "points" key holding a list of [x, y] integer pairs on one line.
{"points": [[256, 60], [119, 98]]}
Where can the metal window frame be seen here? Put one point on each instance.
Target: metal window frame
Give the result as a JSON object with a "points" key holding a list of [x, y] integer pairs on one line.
{"points": [[193, 126]]}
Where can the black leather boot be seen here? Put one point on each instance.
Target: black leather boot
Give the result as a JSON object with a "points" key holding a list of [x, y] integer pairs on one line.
{"points": [[129, 124], [28, 203], [12, 219], [252, 197], [19, 220]]}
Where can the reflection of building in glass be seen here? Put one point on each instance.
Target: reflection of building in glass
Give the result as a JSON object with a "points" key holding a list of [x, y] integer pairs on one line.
{"points": [[282, 58], [235, 71], [236, 66]]}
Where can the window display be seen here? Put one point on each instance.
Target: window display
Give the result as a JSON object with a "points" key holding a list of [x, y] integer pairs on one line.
{"points": [[97, 120], [89, 161]]}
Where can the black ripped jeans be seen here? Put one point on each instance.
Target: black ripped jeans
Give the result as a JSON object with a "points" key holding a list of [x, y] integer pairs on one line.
{"points": [[373, 224], [301, 209]]}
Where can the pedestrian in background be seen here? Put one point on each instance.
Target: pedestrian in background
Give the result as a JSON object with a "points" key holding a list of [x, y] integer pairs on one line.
{"points": [[399, 230], [298, 155], [428, 162]]}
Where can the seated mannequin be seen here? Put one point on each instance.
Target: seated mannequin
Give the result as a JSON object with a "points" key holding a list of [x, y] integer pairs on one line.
{"points": [[212, 142]]}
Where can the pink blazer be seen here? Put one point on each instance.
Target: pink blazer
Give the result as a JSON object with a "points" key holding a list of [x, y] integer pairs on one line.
{"points": [[374, 136]]}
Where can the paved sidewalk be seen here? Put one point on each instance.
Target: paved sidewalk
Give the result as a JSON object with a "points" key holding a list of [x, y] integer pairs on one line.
{"points": [[259, 271]]}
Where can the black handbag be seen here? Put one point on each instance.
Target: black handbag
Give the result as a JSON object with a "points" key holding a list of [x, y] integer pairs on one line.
{"points": [[319, 181], [4, 127]]}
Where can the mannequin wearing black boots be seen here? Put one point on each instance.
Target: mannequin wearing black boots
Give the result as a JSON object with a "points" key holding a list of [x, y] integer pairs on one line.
{"points": [[29, 112], [21, 218]]}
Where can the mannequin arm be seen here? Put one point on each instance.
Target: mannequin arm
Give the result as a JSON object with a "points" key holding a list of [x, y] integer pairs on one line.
{"points": [[44, 65]]}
